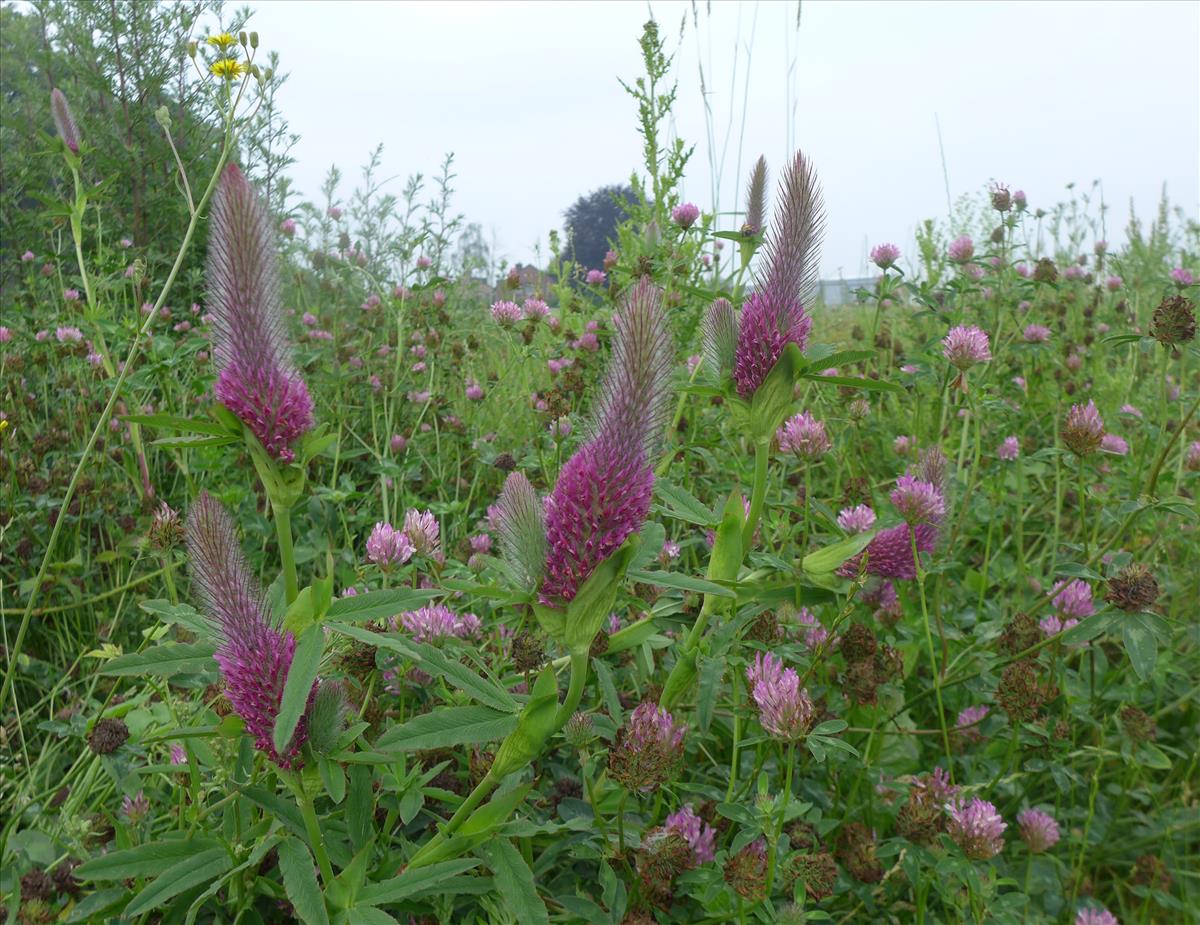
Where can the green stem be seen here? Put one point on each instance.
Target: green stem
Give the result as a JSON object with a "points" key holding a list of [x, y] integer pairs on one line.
{"points": [[621, 822], [312, 827], [773, 849], [758, 491], [283, 531], [579, 670]]}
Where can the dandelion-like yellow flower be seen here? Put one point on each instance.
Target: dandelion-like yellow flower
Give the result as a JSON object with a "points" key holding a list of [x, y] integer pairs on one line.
{"points": [[222, 40], [228, 68]]}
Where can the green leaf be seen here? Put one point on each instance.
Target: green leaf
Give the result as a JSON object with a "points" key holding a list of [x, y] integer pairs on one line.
{"points": [[448, 726], [300, 882], [183, 875], [377, 604], [195, 440], [434, 661], [144, 860], [300, 678], [89, 908], [174, 422], [852, 382], [830, 727], [681, 582], [369, 915], [837, 358], [684, 505], [283, 810], [1154, 757], [828, 558], [631, 636], [412, 881], [1087, 629], [1140, 645], [514, 881], [182, 614], [165, 659]]}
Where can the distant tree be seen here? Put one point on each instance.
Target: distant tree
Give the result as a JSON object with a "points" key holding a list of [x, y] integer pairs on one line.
{"points": [[592, 223]]}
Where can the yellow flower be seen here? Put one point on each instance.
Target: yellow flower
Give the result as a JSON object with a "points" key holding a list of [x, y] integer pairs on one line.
{"points": [[229, 68], [222, 40]]}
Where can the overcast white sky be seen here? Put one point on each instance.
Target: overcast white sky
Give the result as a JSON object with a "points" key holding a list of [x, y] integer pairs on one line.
{"points": [[526, 95]]}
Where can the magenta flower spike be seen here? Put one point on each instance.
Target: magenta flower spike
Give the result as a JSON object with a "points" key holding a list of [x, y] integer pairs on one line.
{"points": [[63, 120], [253, 653], [256, 379], [774, 315], [603, 491]]}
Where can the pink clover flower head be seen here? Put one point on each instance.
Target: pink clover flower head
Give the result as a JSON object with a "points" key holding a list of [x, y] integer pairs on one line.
{"points": [[1073, 598], [967, 724], [535, 308], [885, 256], [1052, 624], [388, 547], [438, 622], [966, 345], [918, 501], [1113, 283], [961, 249], [815, 635], [27, 257], [71, 295], [506, 313], [288, 227], [1092, 915], [976, 828], [1023, 270], [685, 214], [857, 519], [253, 653], [1036, 334], [604, 490], [1191, 460], [670, 551], [178, 755], [256, 379], [1039, 831], [474, 391], [1131, 409], [784, 708], [65, 335], [1084, 429], [424, 263], [700, 836], [308, 319], [422, 529], [1114, 445], [6, 335], [596, 277], [1010, 449], [1182, 277], [803, 435]]}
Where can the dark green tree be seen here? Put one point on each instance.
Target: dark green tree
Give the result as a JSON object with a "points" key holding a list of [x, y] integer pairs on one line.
{"points": [[592, 223]]}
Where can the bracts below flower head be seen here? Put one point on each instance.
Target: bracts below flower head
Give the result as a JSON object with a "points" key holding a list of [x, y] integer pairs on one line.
{"points": [[256, 379], [253, 653]]}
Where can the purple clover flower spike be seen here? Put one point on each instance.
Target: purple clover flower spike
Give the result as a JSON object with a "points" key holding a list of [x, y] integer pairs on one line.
{"points": [[253, 654], [1073, 599], [885, 255], [603, 492], [889, 554], [774, 315], [966, 345], [1091, 915], [256, 379], [520, 523], [784, 708], [918, 501], [756, 198], [64, 122], [976, 827], [857, 519], [685, 214], [388, 547], [1039, 831], [700, 836], [803, 435], [438, 622]]}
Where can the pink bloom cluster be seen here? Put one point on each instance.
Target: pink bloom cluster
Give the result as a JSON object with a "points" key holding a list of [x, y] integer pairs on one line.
{"points": [[437, 622], [976, 827], [701, 837], [1039, 831], [857, 519], [803, 435], [784, 708]]}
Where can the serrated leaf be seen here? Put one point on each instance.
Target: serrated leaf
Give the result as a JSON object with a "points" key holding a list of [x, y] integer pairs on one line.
{"points": [[448, 726], [413, 881], [684, 505], [514, 881], [163, 660], [183, 875], [300, 882], [375, 605], [300, 678]]}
